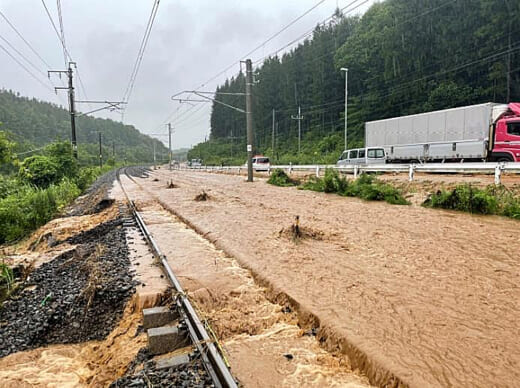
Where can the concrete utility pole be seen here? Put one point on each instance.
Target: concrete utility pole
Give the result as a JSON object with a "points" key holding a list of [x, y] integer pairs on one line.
{"points": [[72, 111], [272, 137], [299, 118], [169, 146], [249, 119], [346, 98], [154, 164], [112, 105], [100, 152]]}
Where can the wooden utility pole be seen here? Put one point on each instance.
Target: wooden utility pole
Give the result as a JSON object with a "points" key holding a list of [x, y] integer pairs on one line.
{"points": [[249, 119]]}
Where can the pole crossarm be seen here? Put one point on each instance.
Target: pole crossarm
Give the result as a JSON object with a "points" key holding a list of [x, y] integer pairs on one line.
{"points": [[201, 94], [110, 106]]}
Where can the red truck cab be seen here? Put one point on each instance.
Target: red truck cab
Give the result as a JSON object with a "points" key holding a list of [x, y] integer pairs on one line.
{"points": [[506, 142]]}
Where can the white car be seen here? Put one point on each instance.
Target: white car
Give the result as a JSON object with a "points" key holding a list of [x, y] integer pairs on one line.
{"points": [[368, 155], [260, 163]]}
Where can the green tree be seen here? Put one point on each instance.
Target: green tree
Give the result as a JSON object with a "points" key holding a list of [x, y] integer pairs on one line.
{"points": [[40, 171], [61, 154], [5, 148]]}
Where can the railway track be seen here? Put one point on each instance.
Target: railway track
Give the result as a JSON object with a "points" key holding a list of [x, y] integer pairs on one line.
{"points": [[211, 357]]}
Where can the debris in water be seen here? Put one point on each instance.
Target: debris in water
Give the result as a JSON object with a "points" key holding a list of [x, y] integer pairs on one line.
{"points": [[288, 356], [202, 196], [171, 185]]}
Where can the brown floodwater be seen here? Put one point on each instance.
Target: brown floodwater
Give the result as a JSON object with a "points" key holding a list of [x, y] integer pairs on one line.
{"points": [[424, 297], [261, 339]]}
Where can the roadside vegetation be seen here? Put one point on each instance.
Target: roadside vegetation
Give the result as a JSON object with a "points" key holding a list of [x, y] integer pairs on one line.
{"points": [[366, 187], [36, 189], [278, 177], [490, 200]]}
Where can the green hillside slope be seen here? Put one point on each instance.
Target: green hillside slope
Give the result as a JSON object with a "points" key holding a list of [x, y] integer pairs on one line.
{"points": [[32, 124]]}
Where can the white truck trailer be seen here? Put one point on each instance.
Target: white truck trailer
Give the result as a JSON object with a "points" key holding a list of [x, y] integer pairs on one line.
{"points": [[456, 134]]}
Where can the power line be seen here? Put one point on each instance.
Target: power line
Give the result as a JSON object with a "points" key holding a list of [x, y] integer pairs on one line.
{"points": [[26, 69], [140, 54], [62, 30], [67, 54], [261, 44], [23, 56], [308, 33], [24, 40]]}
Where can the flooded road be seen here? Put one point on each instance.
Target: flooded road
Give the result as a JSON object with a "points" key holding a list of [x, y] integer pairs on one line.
{"points": [[419, 296]]}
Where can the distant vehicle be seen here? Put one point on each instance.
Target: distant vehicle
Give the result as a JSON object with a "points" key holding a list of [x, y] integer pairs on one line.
{"points": [[484, 132], [368, 155], [260, 163], [195, 162]]}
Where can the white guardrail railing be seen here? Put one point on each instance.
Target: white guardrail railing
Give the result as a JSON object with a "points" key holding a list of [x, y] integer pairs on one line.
{"points": [[442, 168]]}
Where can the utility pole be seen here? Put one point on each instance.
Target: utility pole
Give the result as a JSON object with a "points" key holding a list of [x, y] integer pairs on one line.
{"points": [[346, 98], [169, 145], [299, 118], [272, 137], [100, 152], [111, 105], [154, 164], [114, 150], [249, 119], [72, 111]]}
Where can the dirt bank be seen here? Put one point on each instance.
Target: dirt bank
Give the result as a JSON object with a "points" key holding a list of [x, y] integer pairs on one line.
{"points": [[429, 295]]}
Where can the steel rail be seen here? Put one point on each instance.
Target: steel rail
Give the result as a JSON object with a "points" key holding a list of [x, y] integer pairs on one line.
{"points": [[213, 360]]}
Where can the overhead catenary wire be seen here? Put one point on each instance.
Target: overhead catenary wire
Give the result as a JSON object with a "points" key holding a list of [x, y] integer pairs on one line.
{"points": [[62, 31], [140, 53], [67, 54]]}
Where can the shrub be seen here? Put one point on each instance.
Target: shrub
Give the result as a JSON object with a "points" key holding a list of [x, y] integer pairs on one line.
{"points": [[39, 170], [366, 187], [465, 198], [61, 154], [32, 207], [280, 178], [313, 184], [333, 182]]}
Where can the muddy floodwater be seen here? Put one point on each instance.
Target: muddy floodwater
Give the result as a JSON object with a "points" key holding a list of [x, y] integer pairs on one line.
{"points": [[261, 339], [420, 296]]}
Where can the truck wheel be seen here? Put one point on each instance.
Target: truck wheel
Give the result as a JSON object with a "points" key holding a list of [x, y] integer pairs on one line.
{"points": [[504, 159]]}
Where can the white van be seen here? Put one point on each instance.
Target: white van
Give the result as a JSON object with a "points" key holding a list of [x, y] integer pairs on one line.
{"points": [[368, 155]]}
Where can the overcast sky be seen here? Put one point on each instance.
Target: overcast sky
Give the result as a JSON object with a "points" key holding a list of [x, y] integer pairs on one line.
{"points": [[191, 41]]}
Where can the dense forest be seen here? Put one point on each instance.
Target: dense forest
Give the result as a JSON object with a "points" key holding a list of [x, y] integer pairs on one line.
{"points": [[403, 56], [32, 124]]}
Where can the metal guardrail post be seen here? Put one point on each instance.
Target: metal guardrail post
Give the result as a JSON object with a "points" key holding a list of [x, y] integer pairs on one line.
{"points": [[269, 170], [411, 172], [498, 173], [290, 168], [356, 167], [317, 171]]}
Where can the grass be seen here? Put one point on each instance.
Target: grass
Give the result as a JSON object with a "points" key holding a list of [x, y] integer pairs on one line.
{"points": [[280, 178], [490, 200], [24, 207], [366, 187]]}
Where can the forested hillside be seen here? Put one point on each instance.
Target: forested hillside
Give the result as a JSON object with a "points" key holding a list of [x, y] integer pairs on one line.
{"points": [[403, 56], [32, 124]]}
